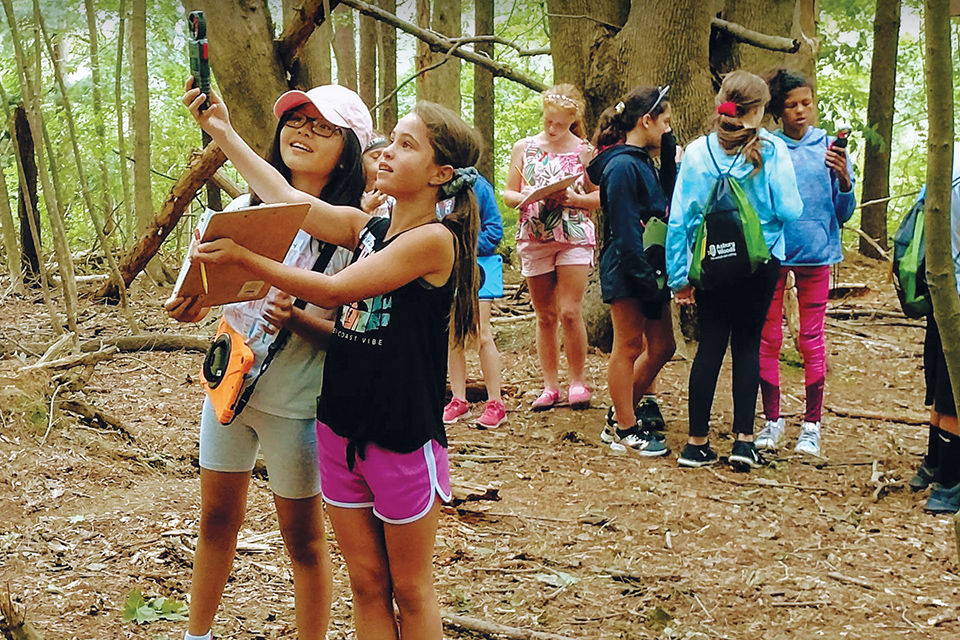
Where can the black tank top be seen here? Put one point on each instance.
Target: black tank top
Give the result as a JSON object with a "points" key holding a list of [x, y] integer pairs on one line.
{"points": [[386, 369]]}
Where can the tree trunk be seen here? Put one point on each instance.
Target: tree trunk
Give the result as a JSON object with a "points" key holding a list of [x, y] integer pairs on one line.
{"points": [[142, 195], [100, 148], [27, 210], [941, 277], [876, 157], [805, 30], [442, 84], [367, 80], [128, 221], [770, 17], [424, 55], [313, 67], [580, 35], [345, 47], [483, 105], [387, 49], [10, 249], [98, 227], [57, 227]]}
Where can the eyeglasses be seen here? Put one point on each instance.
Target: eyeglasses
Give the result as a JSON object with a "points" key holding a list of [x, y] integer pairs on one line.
{"points": [[663, 94], [324, 129]]}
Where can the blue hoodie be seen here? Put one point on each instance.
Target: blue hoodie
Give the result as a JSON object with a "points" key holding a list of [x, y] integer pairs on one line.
{"points": [[814, 239], [491, 223], [772, 192]]}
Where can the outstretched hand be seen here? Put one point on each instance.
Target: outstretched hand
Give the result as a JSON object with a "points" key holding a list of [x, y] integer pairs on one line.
{"points": [[685, 297], [214, 119]]}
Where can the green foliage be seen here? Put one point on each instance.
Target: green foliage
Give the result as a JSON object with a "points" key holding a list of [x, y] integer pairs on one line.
{"points": [[137, 609]]}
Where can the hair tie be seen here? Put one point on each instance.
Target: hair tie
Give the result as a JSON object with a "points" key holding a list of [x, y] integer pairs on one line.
{"points": [[619, 108], [728, 108], [463, 178]]}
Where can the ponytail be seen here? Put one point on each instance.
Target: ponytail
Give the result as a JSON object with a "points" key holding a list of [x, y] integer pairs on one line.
{"points": [[464, 223], [621, 118], [740, 93], [456, 144]]}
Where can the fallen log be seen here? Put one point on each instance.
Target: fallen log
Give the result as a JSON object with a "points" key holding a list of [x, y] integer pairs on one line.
{"points": [[201, 168], [493, 629], [96, 416], [74, 361], [151, 342]]}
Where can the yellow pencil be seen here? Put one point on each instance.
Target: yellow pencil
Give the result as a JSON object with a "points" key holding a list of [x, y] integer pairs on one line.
{"points": [[203, 277], [522, 177]]}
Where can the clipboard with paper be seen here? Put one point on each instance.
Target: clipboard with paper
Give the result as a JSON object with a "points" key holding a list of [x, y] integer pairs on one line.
{"points": [[267, 230], [549, 189]]}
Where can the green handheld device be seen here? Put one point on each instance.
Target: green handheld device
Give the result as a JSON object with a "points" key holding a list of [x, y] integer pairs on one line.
{"points": [[199, 58]]}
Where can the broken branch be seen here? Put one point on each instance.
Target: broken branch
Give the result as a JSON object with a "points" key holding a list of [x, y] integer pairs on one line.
{"points": [[303, 20], [755, 38], [498, 630]]}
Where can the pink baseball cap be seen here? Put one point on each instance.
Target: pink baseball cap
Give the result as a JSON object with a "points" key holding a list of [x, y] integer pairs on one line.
{"points": [[339, 105]]}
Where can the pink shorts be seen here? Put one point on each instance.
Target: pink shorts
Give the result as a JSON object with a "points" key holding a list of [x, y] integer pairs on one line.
{"points": [[399, 486], [538, 258]]}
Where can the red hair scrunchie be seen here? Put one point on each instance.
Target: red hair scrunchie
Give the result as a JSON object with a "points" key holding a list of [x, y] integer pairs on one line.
{"points": [[727, 109]]}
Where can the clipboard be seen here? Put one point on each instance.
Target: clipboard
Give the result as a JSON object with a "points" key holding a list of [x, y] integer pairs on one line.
{"points": [[267, 230], [548, 189]]}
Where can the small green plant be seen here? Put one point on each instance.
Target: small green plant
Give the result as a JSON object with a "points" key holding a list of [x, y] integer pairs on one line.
{"points": [[137, 609]]}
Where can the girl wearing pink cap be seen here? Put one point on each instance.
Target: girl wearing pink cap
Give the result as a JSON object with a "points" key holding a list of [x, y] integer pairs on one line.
{"points": [[383, 456], [317, 149]]}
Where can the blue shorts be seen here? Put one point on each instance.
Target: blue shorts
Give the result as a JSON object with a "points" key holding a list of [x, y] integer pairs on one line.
{"points": [[289, 449]]}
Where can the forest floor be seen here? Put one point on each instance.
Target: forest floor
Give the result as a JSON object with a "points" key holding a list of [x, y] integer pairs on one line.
{"points": [[579, 542]]}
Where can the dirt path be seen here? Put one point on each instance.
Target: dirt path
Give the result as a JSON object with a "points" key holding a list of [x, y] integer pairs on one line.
{"points": [[581, 542]]}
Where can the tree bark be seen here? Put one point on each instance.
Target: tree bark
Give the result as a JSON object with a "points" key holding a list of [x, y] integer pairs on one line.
{"points": [[142, 192], [876, 157], [483, 90], [128, 221], [367, 80], [770, 17], [805, 27], [10, 249], [100, 148], [387, 49], [312, 66], [424, 55], [201, 168], [27, 209], [940, 235], [442, 84], [345, 47]]}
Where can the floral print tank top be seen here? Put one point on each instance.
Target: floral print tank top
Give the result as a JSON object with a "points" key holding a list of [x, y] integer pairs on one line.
{"points": [[544, 221]]}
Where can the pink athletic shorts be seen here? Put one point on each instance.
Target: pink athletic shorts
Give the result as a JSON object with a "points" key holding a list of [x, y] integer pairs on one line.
{"points": [[538, 258], [399, 486]]}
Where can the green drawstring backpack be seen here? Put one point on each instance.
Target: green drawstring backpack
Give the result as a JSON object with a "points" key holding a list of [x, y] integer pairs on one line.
{"points": [[729, 244]]}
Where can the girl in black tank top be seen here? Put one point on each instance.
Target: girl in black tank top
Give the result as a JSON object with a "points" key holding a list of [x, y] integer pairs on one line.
{"points": [[412, 277]]}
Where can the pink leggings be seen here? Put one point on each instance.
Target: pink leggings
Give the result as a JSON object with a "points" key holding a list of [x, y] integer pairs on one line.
{"points": [[813, 287]]}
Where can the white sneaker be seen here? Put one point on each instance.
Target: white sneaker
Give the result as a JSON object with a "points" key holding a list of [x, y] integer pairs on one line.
{"points": [[769, 437], [809, 441]]}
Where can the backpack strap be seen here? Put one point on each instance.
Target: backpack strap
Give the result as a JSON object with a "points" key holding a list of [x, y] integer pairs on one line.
{"points": [[323, 260], [735, 158]]}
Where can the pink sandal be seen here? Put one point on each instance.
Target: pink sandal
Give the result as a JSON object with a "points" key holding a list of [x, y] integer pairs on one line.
{"points": [[546, 400], [578, 396]]}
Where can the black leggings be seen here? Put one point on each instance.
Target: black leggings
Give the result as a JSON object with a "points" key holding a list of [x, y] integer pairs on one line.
{"points": [[735, 315]]}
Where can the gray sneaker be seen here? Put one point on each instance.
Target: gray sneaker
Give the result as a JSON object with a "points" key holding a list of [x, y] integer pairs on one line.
{"points": [[809, 441], [769, 437]]}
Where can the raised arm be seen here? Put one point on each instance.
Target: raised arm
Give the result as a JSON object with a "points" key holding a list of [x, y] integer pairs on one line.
{"points": [[339, 225], [426, 252]]}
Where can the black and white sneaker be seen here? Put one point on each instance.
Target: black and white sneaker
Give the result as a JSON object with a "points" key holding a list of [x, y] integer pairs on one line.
{"points": [[745, 454], [641, 440], [609, 433], [697, 455], [649, 415]]}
